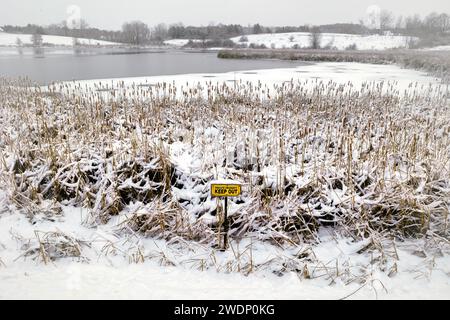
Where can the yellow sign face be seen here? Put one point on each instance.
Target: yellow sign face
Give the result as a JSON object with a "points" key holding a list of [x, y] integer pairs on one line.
{"points": [[225, 190]]}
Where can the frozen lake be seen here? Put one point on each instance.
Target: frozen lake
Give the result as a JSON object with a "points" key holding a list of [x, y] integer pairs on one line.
{"points": [[63, 65]]}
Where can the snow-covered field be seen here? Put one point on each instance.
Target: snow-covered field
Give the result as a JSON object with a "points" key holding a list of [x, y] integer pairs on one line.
{"points": [[105, 186], [10, 39], [330, 40]]}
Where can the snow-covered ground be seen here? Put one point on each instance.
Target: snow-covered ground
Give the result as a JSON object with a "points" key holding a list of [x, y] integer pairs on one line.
{"points": [[149, 281], [106, 270], [331, 40], [111, 263], [10, 39]]}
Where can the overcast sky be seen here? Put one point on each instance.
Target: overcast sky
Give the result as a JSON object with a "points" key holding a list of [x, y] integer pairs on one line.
{"points": [[110, 14]]}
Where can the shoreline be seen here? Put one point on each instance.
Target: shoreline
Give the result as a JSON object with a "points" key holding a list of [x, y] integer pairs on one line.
{"points": [[437, 63]]}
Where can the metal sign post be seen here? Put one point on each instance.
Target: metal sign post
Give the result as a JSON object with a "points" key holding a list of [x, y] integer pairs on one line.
{"points": [[225, 189]]}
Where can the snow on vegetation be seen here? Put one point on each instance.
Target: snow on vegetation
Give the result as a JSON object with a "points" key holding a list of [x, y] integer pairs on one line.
{"points": [[438, 48], [309, 75], [176, 42], [327, 40], [179, 42], [346, 189], [10, 39]]}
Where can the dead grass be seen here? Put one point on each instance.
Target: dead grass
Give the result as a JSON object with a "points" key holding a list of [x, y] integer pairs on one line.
{"points": [[367, 160]]}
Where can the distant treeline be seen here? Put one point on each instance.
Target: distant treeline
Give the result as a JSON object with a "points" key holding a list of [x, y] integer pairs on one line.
{"points": [[433, 28], [136, 32], [63, 30], [228, 31]]}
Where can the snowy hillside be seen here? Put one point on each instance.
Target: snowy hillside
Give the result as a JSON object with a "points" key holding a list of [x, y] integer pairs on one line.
{"points": [[10, 39], [332, 40]]}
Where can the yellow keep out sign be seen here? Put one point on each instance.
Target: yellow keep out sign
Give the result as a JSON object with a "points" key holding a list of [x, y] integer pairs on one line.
{"points": [[225, 189]]}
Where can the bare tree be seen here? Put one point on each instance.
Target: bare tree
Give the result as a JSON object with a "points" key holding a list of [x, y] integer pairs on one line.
{"points": [[19, 44], [257, 29], [136, 32], [399, 23], [177, 31], [160, 32], [372, 19], [315, 38], [76, 45], [36, 40], [444, 22], [438, 22], [413, 24], [386, 20], [75, 42], [211, 31], [431, 22], [83, 24]]}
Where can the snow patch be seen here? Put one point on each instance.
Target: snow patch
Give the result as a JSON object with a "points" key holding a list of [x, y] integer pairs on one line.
{"points": [[10, 39]]}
